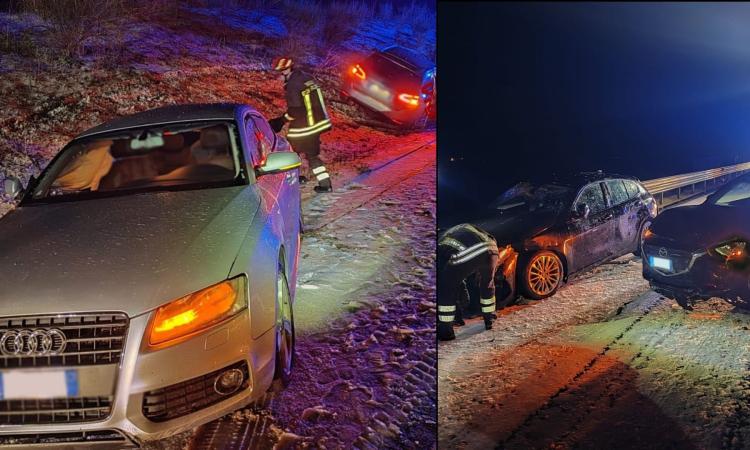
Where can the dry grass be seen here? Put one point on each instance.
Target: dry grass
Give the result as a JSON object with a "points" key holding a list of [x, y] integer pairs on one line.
{"points": [[93, 29]]}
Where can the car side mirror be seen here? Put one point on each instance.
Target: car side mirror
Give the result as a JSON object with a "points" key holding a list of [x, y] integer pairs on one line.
{"points": [[12, 187], [582, 211], [277, 162]]}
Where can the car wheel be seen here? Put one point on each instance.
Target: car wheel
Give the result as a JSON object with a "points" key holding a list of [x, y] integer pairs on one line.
{"points": [[641, 234], [285, 341], [541, 275]]}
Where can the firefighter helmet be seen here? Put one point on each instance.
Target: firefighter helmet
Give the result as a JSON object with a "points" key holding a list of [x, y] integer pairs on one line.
{"points": [[282, 63]]}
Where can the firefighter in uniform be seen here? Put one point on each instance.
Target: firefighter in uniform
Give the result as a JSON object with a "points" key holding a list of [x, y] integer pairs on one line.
{"points": [[462, 251], [307, 117]]}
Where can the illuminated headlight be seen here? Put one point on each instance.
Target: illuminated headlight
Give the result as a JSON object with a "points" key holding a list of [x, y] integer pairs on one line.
{"points": [[197, 311], [731, 250]]}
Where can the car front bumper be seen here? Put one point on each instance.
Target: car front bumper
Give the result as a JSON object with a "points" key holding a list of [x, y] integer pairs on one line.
{"points": [[700, 276], [143, 371]]}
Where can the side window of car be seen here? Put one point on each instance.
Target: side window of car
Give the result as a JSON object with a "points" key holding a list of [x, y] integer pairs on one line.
{"points": [[617, 191], [255, 140], [265, 128], [593, 196]]}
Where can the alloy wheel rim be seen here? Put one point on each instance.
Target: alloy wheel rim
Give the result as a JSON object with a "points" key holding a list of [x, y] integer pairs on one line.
{"points": [[284, 336], [544, 274]]}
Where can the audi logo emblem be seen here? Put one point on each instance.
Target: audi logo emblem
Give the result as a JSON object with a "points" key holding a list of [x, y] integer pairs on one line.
{"points": [[663, 252], [33, 342]]}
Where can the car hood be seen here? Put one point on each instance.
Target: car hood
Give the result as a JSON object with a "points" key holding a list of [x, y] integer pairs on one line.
{"points": [[515, 225], [130, 253], [701, 226]]}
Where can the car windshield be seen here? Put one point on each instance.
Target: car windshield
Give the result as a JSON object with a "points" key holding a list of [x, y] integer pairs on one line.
{"points": [[154, 158], [534, 197], [738, 192]]}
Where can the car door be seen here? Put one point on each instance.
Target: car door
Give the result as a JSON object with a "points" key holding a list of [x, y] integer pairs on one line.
{"points": [[283, 187], [591, 236], [625, 216]]}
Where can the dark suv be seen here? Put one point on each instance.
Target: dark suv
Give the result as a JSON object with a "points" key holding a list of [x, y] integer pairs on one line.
{"points": [[698, 252], [560, 227]]}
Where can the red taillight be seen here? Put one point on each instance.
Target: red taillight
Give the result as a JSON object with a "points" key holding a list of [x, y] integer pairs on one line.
{"points": [[409, 99], [358, 72]]}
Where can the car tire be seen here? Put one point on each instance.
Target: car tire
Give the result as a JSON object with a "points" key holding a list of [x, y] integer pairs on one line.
{"points": [[639, 247], [285, 338], [542, 275]]}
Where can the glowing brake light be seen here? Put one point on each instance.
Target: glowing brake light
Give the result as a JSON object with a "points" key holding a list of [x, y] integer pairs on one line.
{"points": [[411, 100], [359, 72]]}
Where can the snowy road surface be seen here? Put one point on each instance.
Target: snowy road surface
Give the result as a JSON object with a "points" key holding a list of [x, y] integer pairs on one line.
{"points": [[365, 372], [604, 363]]}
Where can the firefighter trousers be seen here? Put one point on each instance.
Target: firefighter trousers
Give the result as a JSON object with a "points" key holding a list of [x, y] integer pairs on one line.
{"points": [[310, 147], [451, 284]]}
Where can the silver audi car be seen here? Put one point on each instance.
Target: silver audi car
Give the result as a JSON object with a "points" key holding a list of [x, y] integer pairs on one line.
{"points": [[147, 278]]}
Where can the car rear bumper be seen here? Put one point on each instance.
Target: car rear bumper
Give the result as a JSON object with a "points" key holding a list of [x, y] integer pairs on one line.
{"points": [[384, 106], [175, 375]]}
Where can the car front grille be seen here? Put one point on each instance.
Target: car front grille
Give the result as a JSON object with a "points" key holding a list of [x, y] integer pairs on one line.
{"points": [[95, 338], [106, 439], [681, 260], [189, 396], [58, 410]]}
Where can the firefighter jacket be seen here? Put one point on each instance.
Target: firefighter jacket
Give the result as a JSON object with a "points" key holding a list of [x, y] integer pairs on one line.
{"points": [[306, 109], [463, 243]]}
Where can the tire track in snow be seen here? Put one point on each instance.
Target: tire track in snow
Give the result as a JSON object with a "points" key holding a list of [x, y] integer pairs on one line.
{"points": [[369, 186], [549, 403], [616, 383]]}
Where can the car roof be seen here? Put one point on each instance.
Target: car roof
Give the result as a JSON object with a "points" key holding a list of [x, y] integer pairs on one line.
{"points": [[581, 178], [415, 61], [167, 114]]}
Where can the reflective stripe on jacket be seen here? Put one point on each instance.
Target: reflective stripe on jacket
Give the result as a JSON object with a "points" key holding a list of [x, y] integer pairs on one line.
{"points": [[305, 105]]}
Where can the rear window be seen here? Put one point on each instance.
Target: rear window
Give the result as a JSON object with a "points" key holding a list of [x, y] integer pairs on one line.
{"points": [[617, 191], [388, 67]]}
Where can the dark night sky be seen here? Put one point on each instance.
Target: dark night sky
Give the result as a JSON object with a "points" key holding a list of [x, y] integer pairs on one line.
{"points": [[640, 89]]}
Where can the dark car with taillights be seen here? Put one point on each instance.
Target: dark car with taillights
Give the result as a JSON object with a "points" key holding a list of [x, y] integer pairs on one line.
{"points": [[563, 226], [701, 251], [395, 82]]}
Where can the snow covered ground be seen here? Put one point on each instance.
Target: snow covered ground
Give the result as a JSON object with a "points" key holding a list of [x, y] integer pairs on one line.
{"points": [[604, 363]]}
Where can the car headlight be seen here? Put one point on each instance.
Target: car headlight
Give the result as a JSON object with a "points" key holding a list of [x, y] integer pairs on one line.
{"points": [[731, 250], [198, 311]]}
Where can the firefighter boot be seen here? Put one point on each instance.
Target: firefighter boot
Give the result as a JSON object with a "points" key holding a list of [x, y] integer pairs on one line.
{"points": [[488, 319], [445, 332], [324, 186]]}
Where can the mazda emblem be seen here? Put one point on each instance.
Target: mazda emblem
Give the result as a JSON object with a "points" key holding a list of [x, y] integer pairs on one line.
{"points": [[37, 342], [663, 252]]}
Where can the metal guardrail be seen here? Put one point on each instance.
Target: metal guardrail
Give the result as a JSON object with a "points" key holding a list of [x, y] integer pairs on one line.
{"points": [[674, 188]]}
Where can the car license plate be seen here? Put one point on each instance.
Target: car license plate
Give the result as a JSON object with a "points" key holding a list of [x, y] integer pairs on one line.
{"points": [[661, 263], [378, 90], [18, 384]]}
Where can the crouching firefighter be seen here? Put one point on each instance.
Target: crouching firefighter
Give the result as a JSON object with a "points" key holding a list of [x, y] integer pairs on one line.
{"points": [[462, 251], [307, 117]]}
